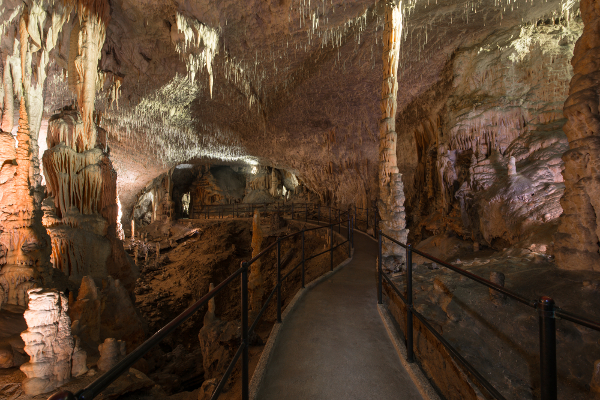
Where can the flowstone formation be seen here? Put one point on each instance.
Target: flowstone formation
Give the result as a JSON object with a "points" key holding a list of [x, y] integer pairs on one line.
{"points": [[81, 211], [391, 188], [577, 239]]}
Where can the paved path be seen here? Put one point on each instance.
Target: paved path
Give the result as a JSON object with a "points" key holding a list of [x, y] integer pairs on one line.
{"points": [[333, 345]]}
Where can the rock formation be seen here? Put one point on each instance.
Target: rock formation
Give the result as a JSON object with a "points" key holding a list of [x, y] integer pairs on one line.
{"points": [[391, 188], [106, 313], [256, 279], [24, 250], [48, 342], [576, 241], [218, 342], [79, 360], [111, 352]]}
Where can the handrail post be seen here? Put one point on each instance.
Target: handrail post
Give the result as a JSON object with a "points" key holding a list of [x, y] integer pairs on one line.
{"points": [[409, 304], [302, 259], [305, 212], [245, 341], [330, 216], [278, 280], [339, 222], [331, 246], [547, 324], [292, 210], [367, 217], [319, 214]]}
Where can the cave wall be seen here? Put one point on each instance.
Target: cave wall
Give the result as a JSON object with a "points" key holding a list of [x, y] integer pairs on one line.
{"points": [[577, 241], [481, 150]]}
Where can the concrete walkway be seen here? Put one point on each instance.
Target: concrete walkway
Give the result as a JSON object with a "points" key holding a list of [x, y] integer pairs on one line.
{"points": [[334, 345]]}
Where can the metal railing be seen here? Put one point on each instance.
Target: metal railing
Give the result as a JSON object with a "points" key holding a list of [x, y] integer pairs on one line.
{"points": [[545, 306], [93, 389], [297, 211]]}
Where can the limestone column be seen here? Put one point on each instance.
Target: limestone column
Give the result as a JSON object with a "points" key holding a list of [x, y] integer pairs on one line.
{"points": [[576, 243], [391, 188], [255, 280]]}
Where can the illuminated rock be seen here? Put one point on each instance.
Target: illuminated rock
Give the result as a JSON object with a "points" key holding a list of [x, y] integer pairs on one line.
{"points": [[391, 187], [48, 342]]}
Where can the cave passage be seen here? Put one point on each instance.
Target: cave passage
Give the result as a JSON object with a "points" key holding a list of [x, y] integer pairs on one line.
{"points": [[334, 345]]}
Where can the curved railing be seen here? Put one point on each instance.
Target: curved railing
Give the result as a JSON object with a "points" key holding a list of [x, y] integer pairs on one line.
{"points": [[545, 306], [93, 389], [363, 218]]}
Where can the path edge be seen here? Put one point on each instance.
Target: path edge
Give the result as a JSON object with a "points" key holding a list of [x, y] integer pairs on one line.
{"points": [[413, 370], [265, 357]]}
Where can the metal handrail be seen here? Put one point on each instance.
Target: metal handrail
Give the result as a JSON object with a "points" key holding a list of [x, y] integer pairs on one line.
{"points": [[93, 389], [547, 311], [234, 209]]}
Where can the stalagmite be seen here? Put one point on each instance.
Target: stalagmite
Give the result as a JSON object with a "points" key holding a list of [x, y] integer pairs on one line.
{"points": [[256, 279], [111, 352], [48, 342], [512, 168], [391, 204], [23, 239]]}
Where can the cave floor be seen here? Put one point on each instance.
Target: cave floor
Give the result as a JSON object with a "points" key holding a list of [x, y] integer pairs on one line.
{"points": [[334, 345]]}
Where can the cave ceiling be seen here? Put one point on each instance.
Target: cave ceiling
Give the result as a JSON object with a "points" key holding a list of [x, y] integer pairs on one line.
{"points": [[293, 84]]}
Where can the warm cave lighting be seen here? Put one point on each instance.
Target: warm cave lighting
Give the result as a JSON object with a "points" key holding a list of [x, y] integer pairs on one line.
{"points": [[254, 170]]}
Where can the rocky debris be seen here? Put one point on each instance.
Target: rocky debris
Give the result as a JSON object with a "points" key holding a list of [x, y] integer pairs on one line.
{"points": [[207, 389], [219, 341], [595, 382], [130, 382], [48, 342], [6, 356], [79, 360], [106, 313], [496, 297], [461, 310], [111, 352]]}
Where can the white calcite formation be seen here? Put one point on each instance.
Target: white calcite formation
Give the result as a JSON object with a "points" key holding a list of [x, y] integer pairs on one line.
{"points": [[48, 341]]}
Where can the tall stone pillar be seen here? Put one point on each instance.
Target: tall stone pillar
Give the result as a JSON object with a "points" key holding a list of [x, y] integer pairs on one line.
{"points": [[256, 279], [576, 243], [391, 188]]}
